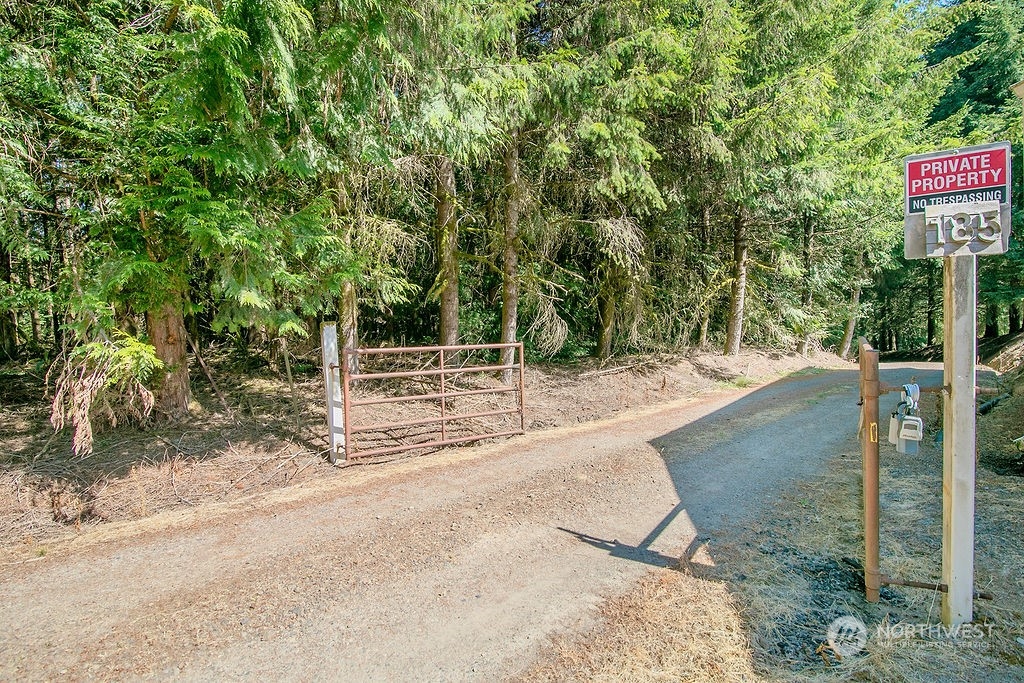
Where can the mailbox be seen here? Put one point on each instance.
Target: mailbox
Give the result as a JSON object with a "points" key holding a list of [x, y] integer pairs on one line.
{"points": [[894, 428], [911, 428], [906, 447], [910, 433]]}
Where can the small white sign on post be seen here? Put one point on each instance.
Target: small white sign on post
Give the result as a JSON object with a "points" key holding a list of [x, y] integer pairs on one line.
{"points": [[332, 386]]}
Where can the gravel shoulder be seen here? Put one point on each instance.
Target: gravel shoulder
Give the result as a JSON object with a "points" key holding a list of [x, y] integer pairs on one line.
{"points": [[454, 565]]}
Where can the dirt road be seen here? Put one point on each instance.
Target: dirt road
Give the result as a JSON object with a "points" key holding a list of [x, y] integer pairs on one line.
{"points": [[449, 566]]}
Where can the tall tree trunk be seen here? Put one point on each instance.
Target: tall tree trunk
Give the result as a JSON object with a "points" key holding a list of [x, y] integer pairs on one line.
{"points": [[8, 319], [192, 329], [931, 301], [991, 320], [348, 304], [734, 335], [705, 271], [166, 327], [348, 314], [606, 319], [446, 231], [1014, 314], [881, 343], [33, 312], [805, 296], [510, 259], [56, 268], [851, 323]]}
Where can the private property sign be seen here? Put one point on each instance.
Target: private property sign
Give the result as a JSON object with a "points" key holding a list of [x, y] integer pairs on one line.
{"points": [[957, 206], [958, 177], [957, 202]]}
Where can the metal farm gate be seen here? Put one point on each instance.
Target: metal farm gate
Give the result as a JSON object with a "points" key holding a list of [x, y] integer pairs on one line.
{"points": [[420, 397]]}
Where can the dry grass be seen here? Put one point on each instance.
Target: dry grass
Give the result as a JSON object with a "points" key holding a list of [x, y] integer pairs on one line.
{"points": [[47, 493], [673, 626]]}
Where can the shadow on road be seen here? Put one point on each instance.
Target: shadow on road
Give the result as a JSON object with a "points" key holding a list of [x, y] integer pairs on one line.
{"points": [[795, 566], [641, 552], [726, 465]]}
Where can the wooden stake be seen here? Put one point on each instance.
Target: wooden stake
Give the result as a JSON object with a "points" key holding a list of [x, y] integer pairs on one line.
{"points": [[958, 447], [209, 377], [291, 387]]}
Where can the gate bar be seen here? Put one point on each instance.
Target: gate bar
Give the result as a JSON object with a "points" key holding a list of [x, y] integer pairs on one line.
{"points": [[430, 349], [430, 373], [428, 397], [431, 420], [434, 444], [444, 400]]}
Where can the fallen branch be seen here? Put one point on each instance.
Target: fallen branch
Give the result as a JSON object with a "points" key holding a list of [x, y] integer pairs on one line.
{"points": [[174, 487], [987, 406], [312, 461], [176, 447], [278, 468], [609, 371], [273, 457], [209, 377]]}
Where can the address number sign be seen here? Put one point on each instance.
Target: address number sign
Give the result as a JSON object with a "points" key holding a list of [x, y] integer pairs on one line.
{"points": [[957, 202]]}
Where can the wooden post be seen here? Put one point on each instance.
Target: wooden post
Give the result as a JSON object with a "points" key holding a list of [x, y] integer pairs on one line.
{"points": [[332, 389], [869, 394], [958, 447]]}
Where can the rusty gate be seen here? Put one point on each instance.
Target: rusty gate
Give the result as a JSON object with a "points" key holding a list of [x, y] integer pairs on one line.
{"points": [[451, 396]]}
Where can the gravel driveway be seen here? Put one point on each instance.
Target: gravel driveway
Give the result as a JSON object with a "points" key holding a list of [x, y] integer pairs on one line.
{"points": [[449, 566]]}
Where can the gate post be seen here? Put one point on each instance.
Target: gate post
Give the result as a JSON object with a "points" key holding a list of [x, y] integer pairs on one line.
{"points": [[333, 392], [869, 445]]}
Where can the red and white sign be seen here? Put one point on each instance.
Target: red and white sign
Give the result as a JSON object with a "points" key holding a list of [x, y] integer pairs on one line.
{"points": [[973, 174], [957, 202]]}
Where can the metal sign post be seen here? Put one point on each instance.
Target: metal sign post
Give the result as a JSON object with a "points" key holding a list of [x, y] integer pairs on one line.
{"points": [[957, 208]]}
